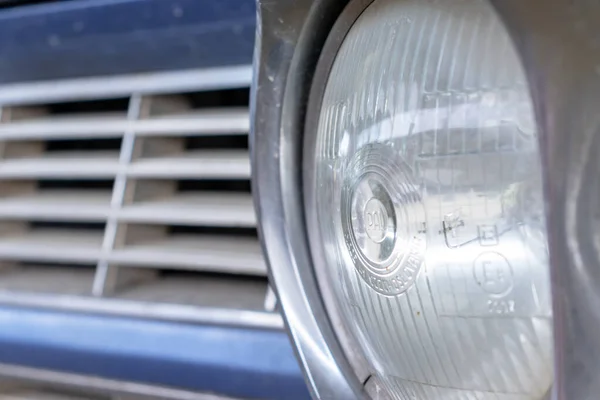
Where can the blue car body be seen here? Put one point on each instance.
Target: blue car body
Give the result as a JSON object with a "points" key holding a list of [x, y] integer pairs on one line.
{"points": [[81, 38]]}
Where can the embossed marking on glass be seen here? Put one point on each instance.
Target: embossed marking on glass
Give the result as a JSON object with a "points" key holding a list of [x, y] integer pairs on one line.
{"points": [[430, 203]]}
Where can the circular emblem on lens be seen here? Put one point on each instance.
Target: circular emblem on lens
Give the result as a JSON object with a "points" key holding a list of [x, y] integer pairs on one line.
{"points": [[383, 220], [376, 217]]}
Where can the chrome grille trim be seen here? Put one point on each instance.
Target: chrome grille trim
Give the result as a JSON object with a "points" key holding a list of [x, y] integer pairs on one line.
{"points": [[213, 123], [24, 123], [119, 86], [134, 309]]}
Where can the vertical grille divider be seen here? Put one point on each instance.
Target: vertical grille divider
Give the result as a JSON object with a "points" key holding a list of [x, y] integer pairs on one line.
{"points": [[105, 278]]}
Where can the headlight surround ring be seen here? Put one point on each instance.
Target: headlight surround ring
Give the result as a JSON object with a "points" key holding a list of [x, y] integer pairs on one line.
{"points": [[288, 32]]}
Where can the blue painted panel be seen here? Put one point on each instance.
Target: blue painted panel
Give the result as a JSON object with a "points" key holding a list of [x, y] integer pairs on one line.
{"points": [[80, 38], [101, 37], [232, 361]]}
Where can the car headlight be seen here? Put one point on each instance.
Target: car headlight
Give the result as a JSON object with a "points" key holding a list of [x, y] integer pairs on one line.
{"points": [[403, 186]]}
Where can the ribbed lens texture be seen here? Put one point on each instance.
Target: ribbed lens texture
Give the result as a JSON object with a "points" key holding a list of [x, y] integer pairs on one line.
{"points": [[430, 203]]}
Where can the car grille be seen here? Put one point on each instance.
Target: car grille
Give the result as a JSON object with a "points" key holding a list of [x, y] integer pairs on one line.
{"points": [[131, 195]]}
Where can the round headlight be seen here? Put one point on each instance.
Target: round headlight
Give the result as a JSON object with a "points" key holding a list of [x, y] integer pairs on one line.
{"points": [[427, 203], [426, 176]]}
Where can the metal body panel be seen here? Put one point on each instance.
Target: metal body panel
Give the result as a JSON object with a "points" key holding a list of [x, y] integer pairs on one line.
{"points": [[230, 361], [83, 38]]}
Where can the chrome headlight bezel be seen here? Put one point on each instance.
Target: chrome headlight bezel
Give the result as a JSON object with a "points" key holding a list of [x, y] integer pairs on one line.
{"points": [[353, 352], [555, 41], [288, 33]]}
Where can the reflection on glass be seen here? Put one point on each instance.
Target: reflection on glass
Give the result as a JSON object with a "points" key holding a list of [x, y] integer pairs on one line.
{"points": [[430, 203]]}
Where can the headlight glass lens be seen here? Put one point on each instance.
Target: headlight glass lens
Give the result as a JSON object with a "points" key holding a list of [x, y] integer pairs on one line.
{"points": [[430, 204]]}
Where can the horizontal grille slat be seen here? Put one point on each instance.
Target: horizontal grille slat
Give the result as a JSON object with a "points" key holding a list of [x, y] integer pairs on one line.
{"points": [[68, 165], [132, 202], [53, 245], [213, 209], [82, 126], [232, 164], [214, 122], [58, 205], [202, 253], [200, 209]]}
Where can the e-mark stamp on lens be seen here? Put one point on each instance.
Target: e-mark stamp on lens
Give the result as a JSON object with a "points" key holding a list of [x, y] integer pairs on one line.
{"points": [[488, 235]]}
